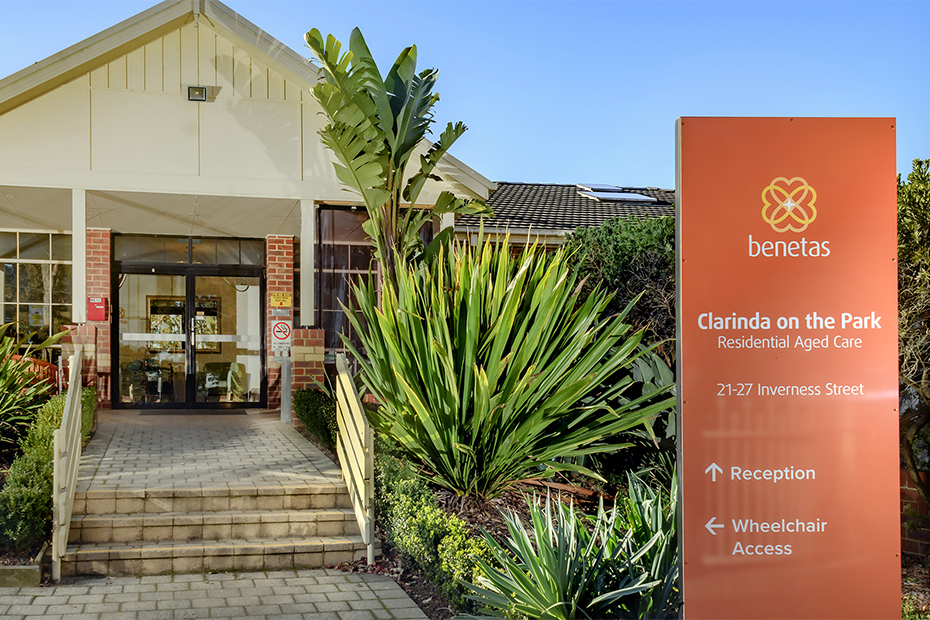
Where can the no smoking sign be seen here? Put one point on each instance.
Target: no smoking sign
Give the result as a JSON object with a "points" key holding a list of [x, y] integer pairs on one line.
{"points": [[280, 337]]}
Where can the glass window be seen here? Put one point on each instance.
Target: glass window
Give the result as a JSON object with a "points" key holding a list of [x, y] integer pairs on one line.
{"points": [[34, 246], [34, 283], [152, 249], [203, 251], [61, 284], [8, 245], [227, 251], [126, 248], [252, 251], [9, 282], [61, 247], [176, 250]]}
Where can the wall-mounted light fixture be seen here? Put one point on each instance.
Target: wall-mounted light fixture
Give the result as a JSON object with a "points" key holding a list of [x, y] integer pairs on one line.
{"points": [[196, 93]]}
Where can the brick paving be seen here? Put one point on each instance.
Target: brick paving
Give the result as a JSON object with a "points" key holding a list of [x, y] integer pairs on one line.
{"points": [[133, 451], [317, 594]]}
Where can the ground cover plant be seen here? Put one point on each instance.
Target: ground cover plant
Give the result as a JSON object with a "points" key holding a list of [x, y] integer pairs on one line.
{"points": [[486, 363], [26, 497]]}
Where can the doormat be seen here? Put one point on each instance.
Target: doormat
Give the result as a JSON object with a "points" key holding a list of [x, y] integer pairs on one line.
{"points": [[194, 412]]}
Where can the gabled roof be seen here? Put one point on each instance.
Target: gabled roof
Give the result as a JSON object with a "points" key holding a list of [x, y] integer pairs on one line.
{"points": [[140, 29], [550, 209]]}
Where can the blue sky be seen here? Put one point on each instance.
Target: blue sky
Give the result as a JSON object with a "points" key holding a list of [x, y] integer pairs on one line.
{"points": [[588, 92]]}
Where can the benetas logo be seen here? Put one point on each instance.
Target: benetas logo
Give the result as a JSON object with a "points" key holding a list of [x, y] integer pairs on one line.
{"points": [[789, 205]]}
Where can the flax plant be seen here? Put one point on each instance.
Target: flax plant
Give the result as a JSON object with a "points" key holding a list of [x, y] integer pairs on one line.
{"points": [[486, 366]]}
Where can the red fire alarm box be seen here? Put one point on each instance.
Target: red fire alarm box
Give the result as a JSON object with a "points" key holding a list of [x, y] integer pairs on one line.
{"points": [[96, 308]]}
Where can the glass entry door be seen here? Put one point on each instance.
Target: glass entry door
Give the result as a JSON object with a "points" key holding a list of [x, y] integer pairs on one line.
{"points": [[189, 340], [227, 339]]}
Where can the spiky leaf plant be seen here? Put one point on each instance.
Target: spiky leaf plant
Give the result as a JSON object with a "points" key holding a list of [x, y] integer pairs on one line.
{"points": [[486, 362]]}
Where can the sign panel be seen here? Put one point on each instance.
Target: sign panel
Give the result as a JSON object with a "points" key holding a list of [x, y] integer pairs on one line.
{"points": [[788, 368], [281, 337], [280, 300]]}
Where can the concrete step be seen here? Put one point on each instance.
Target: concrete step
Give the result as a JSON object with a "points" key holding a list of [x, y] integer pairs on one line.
{"points": [[152, 558], [220, 499], [121, 528]]}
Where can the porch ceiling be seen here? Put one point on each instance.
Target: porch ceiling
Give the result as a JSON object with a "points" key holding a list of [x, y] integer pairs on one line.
{"points": [[145, 213]]}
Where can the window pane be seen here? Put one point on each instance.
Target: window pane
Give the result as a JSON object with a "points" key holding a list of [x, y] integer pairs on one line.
{"points": [[34, 283], [253, 251], [61, 316], [203, 251], [9, 314], [126, 248], [360, 256], [176, 250], [347, 225], [227, 251], [152, 249], [61, 247], [61, 284], [9, 282], [34, 246], [7, 245]]}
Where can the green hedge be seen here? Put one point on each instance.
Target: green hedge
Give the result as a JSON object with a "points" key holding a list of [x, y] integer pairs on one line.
{"points": [[437, 543], [26, 498], [317, 412]]}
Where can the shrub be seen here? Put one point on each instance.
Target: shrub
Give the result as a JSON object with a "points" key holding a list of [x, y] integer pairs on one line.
{"points": [[630, 256], [21, 394], [316, 410], [427, 537], [619, 564], [26, 498], [481, 358]]}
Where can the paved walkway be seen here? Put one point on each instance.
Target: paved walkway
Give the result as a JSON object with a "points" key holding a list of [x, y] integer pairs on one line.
{"points": [[316, 594], [133, 450]]}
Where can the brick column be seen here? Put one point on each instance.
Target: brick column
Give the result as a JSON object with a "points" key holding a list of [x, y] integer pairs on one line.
{"points": [[280, 269], [307, 358], [98, 285]]}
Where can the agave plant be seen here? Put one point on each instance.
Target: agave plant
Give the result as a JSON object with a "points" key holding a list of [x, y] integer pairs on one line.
{"points": [[560, 570], [486, 364]]}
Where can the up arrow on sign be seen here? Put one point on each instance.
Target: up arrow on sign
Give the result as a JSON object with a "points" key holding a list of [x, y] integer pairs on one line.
{"points": [[713, 469]]}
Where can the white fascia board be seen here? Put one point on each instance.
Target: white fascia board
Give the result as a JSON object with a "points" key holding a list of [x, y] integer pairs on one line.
{"points": [[257, 42], [92, 52], [467, 176]]}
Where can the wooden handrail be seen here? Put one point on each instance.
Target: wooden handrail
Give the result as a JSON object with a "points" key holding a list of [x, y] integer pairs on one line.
{"points": [[355, 446], [67, 459]]}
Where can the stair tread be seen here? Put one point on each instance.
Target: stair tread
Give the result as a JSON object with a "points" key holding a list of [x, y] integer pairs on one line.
{"points": [[210, 513], [75, 550], [218, 491]]}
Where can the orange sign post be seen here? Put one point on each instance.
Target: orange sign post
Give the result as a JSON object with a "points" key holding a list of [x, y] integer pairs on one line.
{"points": [[787, 368]]}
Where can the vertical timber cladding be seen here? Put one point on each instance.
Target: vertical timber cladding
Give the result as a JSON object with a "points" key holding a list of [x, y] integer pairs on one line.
{"points": [[788, 368]]}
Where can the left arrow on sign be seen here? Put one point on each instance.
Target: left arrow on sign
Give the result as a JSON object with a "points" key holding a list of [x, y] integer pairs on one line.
{"points": [[711, 526]]}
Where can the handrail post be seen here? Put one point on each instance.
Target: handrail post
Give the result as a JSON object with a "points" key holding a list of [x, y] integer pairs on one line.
{"points": [[67, 457], [286, 389]]}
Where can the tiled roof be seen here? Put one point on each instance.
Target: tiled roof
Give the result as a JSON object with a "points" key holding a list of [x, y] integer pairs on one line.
{"points": [[551, 208]]}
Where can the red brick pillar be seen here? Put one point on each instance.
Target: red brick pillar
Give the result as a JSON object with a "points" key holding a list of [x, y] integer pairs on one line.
{"points": [[280, 270], [98, 285], [307, 358]]}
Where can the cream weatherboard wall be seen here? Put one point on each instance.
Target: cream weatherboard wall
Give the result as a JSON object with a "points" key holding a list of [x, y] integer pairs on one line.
{"points": [[131, 116]]}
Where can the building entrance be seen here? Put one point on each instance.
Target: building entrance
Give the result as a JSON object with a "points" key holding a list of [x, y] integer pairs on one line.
{"points": [[189, 336]]}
